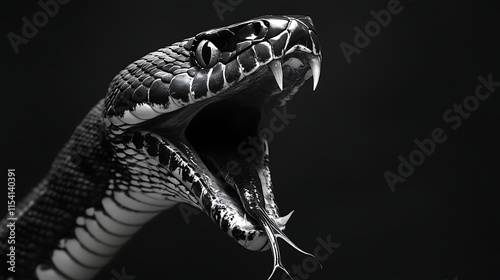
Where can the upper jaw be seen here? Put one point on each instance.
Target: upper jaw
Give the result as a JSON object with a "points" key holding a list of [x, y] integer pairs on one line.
{"points": [[273, 41]]}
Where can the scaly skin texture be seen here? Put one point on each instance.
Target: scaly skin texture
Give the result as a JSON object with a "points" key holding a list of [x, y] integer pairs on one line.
{"points": [[77, 180]]}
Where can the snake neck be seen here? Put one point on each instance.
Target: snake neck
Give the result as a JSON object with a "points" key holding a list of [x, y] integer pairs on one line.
{"points": [[80, 214]]}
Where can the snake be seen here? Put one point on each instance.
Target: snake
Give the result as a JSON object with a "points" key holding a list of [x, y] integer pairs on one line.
{"points": [[169, 131]]}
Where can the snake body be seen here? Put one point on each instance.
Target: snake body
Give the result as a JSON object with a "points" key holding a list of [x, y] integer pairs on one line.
{"points": [[169, 131]]}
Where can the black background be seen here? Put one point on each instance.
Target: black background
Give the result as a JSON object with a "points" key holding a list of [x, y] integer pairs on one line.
{"points": [[328, 163]]}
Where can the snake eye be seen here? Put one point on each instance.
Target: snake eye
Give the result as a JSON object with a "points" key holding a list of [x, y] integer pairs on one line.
{"points": [[207, 54]]}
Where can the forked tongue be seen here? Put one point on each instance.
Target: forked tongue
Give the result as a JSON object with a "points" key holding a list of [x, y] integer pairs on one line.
{"points": [[273, 232], [246, 181]]}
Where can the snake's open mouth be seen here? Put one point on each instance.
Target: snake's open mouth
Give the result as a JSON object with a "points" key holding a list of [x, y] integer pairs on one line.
{"points": [[229, 134], [228, 137], [224, 138], [204, 117]]}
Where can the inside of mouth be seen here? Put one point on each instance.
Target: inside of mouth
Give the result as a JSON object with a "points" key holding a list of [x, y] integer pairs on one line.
{"points": [[220, 132], [222, 126]]}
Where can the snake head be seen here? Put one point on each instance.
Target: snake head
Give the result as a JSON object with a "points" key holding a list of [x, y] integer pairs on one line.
{"points": [[187, 122]]}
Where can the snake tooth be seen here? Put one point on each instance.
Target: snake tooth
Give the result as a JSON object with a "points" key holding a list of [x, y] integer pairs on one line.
{"points": [[275, 66], [315, 64]]}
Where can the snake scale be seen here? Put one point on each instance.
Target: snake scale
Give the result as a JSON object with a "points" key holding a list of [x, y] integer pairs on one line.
{"points": [[169, 131]]}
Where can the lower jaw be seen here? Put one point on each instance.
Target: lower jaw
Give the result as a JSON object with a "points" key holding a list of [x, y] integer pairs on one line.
{"points": [[242, 229], [230, 216], [228, 213]]}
